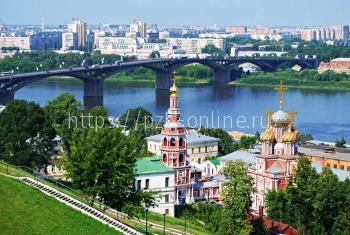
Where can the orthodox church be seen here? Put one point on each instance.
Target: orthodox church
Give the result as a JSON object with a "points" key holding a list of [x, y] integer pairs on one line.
{"points": [[274, 165]]}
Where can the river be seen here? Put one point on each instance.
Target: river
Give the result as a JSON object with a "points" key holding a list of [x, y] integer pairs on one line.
{"points": [[324, 114]]}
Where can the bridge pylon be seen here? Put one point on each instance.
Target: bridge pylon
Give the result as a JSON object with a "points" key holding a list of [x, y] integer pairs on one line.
{"points": [[163, 80], [93, 93], [6, 97], [222, 76]]}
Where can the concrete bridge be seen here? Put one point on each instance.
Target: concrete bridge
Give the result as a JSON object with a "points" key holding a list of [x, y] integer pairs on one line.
{"points": [[93, 76]]}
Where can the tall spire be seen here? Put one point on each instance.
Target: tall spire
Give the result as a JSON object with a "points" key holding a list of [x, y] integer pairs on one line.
{"points": [[42, 23], [174, 90], [281, 89]]}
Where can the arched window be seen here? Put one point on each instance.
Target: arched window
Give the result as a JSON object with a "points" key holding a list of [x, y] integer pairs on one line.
{"points": [[165, 142], [172, 142], [164, 157], [181, 158], [181, 142]]}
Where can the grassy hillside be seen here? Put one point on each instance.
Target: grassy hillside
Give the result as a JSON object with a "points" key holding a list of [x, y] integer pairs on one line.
{"points": [[25, 210]]}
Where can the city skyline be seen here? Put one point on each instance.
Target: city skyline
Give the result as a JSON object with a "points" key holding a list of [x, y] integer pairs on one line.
{"points": [[310, 13]]}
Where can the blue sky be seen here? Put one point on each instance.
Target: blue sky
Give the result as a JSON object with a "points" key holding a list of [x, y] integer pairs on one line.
{"points": [[179, 12]]}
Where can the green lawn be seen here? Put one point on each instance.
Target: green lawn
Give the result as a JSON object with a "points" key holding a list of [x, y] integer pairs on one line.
{"points": [[25, 210]]}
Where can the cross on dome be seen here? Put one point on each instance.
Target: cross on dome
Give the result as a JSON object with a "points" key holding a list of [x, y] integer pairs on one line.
{"points": [[281, 89]]}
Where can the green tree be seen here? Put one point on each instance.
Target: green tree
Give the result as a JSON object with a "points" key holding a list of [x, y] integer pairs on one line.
{"points": [[100, 164], [135, 116], [247, 142], [302, 193], [61, 107], [154, 54], [209, 213], [259, 227], [306, 137], [327, 199], [137, 138], [26, 135], [341, 224], [276, 204], [65, 113], [226, 144], [257, 136], [237, 191], [340, 143], [213, 50]]}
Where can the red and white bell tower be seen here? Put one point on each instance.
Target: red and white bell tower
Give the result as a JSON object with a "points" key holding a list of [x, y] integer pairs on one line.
{"points": [[174, 149]]}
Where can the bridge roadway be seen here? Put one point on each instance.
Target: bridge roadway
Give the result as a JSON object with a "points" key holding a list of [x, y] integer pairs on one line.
{"points": [[93, 76]]}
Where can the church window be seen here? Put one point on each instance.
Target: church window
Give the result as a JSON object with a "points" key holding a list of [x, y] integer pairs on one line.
{"points": [[172, 142], [139, 184], [181, 141], [165, 142], [147, 184], [166, 182], [181, 158]]}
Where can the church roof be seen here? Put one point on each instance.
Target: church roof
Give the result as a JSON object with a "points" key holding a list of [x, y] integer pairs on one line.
{"points": [[275, 168], [245, 156], [151, 165], [280, 117], [268, 135], [313, 151]]}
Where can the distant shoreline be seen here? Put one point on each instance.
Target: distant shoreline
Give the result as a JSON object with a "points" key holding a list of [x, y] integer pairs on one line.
{"points": [[324, 86]]}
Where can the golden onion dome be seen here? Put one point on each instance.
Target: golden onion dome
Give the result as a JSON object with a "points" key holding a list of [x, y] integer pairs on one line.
{"points": [[291, 135], [174, 90], [268, 135]]}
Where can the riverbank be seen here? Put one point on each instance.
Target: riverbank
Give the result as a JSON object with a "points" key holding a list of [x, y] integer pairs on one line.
{"points": [[322, 86], [246, 81], [138, 80]]}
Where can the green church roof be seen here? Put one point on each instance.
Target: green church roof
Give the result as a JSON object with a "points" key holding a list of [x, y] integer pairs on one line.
{"points": [[151, 165]]}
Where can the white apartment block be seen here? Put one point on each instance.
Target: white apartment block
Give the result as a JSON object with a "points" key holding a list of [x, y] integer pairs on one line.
{"points": [[23, 43], [117, 45], [133, 47], [67, 41], [153, 176], [195, 45], [163, 35]]}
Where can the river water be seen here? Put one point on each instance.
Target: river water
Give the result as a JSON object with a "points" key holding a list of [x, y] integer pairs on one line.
{"points": [[324, 114]]}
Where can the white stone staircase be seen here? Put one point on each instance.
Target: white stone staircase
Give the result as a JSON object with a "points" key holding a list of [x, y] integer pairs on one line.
{"points": [[84, 208]]}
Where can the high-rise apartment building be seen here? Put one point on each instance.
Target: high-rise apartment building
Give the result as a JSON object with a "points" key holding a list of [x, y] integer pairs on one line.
{"points": [[340, 32], [139, 28], [69, 41], [236, 29], [79, 27]]}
